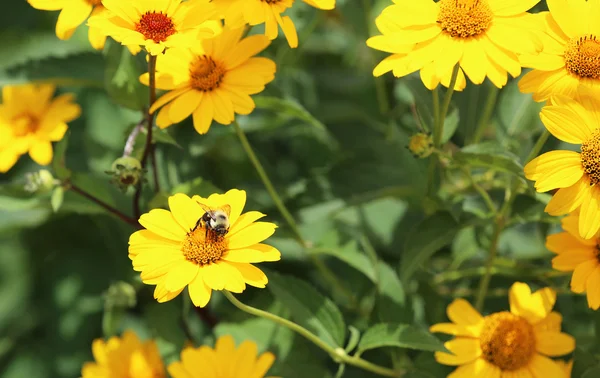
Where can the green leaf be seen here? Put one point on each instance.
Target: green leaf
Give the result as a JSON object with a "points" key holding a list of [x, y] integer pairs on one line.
{"points": [[288, 107], [353, 340], [428, 237], [348, 253], [592, 372], [121, 78], [399, 335], [58, 194], [582, 362], [58, 161], [309, 308], [450, 125], [490, 155], [198, 186], [163, 136]]}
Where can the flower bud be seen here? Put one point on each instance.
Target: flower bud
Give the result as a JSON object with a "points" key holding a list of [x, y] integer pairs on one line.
{"points": [[126, 171], [40, 182], [421, 145]]}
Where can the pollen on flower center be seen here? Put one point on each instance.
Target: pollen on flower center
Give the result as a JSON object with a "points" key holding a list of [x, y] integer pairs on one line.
{"points": [[582, 57], [464, 18], [155, 26], [507, 341], [24, 124], [203, 251], [206, 74], [590, 157]]}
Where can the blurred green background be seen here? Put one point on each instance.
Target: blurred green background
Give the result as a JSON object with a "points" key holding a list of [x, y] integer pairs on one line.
{"points": [[333, 139]]}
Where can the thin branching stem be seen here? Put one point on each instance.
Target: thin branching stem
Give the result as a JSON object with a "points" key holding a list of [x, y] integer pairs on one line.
{"points": [[125, 218]]}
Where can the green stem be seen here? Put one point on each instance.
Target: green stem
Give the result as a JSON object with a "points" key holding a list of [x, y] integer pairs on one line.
{"points": [[487, 114], [501, 218], [439, 131], [486, 197], [436, 107], [323, 269], [337, 354], [380, 90]]}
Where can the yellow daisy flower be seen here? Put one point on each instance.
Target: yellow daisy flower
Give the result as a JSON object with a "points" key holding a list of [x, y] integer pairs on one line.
{"points": [[577, 255], [483, 36], [574, 174], [506, 344], [177, 250], [571, 55], [213, 80], [30, 119], [155, 25], [124, 357], [256, 12], [224, 361], [73, 13]]}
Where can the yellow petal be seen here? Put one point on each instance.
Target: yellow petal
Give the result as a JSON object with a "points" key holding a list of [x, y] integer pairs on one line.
{"points": [[214, 276], [234, 281], [566, 200], [511, 7], [184, 105], [199, 292], [203, 115], [532, 306], [461, 312], [555, 169], [581, 274], [569, 260], [550, 323], [161, 222], [457, 330], [225, 345], [253, 254], [568, 15], [251, 274], [72, 15], [465, 350], [49, 5], [181, 275], [593, 289], [263, 364], [245, 49], [473, 61], [565, 124], [244, 220], [253, 234], [41, 152], [554, 344], [543, 367], [185, 210], [479, 368], [589, 215], [168, 97]]}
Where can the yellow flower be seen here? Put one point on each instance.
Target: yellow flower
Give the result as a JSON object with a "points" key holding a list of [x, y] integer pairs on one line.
{"points": [[73, 13], [213, 80], [156, 24], [566, 366], [124, 357], [571, 55], [224, 361], [483, 36], [173, 253], [30, 119], [256, 12], [506, 344], [574, 174], [577, 255]]}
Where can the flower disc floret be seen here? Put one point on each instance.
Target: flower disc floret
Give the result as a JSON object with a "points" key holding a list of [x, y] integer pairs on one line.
{"points": [[465, 18], [507, 340], [155, 26], [590, 157], [203, 251], [582, 57], [206, 74]]}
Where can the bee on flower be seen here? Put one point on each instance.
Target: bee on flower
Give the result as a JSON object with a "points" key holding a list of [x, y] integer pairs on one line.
{"points": [[183, 248], [515, 343]]}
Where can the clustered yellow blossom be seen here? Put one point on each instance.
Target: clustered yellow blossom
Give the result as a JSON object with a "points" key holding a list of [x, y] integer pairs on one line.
{"points": [[128, 356]]}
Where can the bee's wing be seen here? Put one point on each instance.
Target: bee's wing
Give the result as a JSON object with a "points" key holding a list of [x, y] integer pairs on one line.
{"points": [[226, 209], [204, 207]]}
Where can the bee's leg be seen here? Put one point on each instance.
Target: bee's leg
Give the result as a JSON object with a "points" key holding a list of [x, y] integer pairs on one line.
{"points": [[196, 226]]}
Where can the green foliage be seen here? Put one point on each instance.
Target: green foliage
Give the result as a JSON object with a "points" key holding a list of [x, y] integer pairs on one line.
{"points": [[388, 240]]}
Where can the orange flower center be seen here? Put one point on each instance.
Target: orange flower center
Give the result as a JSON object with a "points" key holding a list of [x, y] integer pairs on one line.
{"points": [[94, 2], [590, 157], [202, 247], [24, 124], [582, 57], [155, 26], [464, 18], [206, 74], [507, 341]]}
